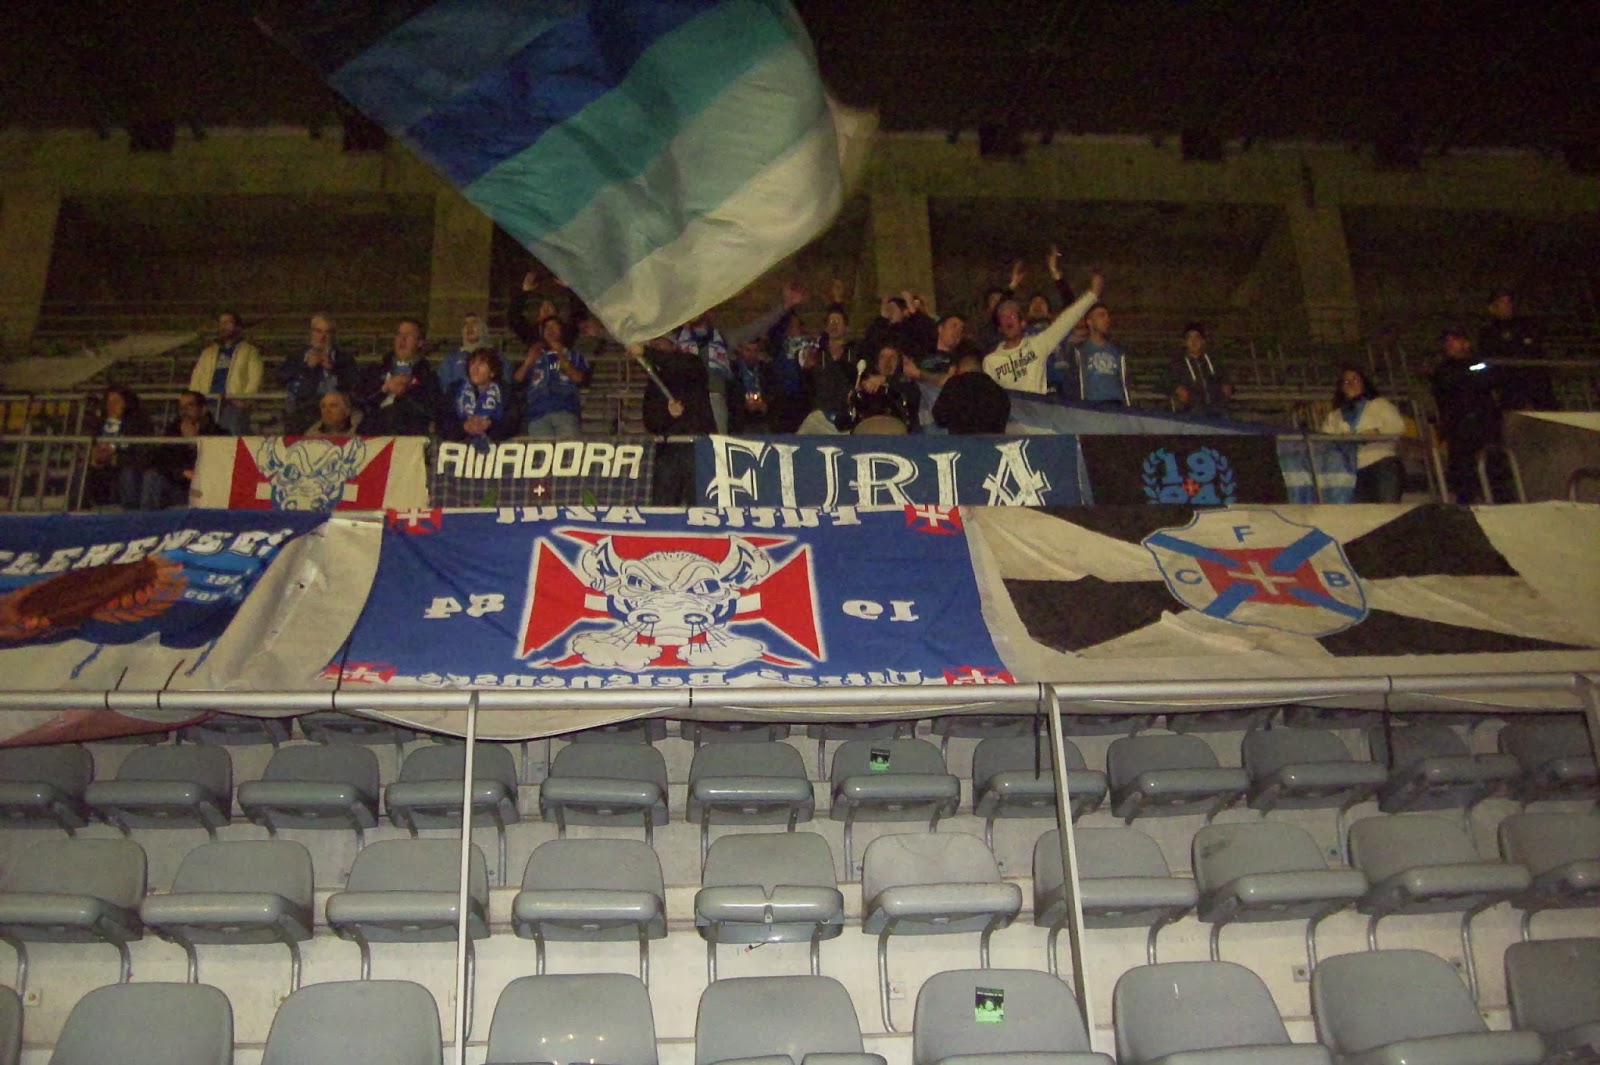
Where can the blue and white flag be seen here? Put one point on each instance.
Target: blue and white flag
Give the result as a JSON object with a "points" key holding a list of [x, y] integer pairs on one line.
{"points": [[657, 155]]}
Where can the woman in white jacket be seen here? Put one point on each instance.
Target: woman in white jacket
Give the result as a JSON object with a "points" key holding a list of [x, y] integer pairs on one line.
{"points": [[1357, 408]]}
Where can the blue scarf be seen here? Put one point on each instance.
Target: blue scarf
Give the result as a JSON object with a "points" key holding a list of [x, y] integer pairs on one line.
{"points": [[473, 402]]}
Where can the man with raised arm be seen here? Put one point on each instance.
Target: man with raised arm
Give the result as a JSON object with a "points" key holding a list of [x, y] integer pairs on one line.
{"points": [[1022, 362]]}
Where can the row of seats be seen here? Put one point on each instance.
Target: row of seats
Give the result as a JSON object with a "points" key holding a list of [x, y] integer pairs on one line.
{"points": [[1400, 1007]]}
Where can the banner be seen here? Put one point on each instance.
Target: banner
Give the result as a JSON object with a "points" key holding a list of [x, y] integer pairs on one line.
{"points": [[310, 473], [869, 473], [1194, 471], [1318, 471], [521, 473], [627, 598]]}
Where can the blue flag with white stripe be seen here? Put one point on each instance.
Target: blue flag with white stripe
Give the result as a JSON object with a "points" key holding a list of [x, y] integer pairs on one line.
{"points": [[657, 155]]}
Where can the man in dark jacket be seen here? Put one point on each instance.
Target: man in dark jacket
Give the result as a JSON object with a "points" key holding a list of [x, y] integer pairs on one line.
{"points": [[402, 396], [1506, 336], [1466, 391], [677, 402], [971, 402]]}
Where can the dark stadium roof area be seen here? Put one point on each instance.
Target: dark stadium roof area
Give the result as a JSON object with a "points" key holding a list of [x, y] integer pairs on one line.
{"points": [[1426, 75]]}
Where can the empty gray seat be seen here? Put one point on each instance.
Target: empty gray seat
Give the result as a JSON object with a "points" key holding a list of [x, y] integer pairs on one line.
{"points": [[1562, 853], [1554, 989], [1424, 864], [1555, 759], [1158, 775], [1235, 719], [1268, 871], [73, 891], [428, 791], [10, 1026], [698, 732], [599, 890], [823, 731], [1300, 715], [193, 1026], [1407, 1007], [1074, 724], [999, 1017], [356, 1022], [45, 785], [241, 891], [1008, 780], [237, 730], [406, 891], [167, 787], [315, 786], [565, 1019], [1432, 769], [932, 885], [778, 1020], [1202, 1013], [331, 726], [768, 887], [981, 727], [634, 730], [1125, 883], [1303, 768], [889, 780], [606, 784], [747, 784]]}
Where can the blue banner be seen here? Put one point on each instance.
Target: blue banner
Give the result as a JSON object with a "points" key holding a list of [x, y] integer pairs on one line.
{"points": [[869, 473], [116, 579], [620, 597]]}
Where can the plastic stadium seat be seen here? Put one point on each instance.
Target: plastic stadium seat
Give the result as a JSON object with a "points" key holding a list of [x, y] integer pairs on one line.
{"points": [[1554, 988], [595, 1017], [1562, 853], [167, 787], [1239, 719], [889, 780], [1299, 715], [932, 885], [606, 784], [1202, 1013], [45, 785], [599, 890], [747, 784], [242, 891], [1555, 759], [315, 786], [981, 726], [1125, 883], [1105, 724], [237, 730], [1306, 768], [1159, 775], [73, 891], [1423, 864], [636, 730], [823, 731], [1407, 1007], [778, 1020], [113, 1024], [768, 887], [330, 726], [356, 1022], [10, 1026], [1006, 782], [1432, 769], [428, 791], [1268, 871], [999, 1017], [699, 732]]}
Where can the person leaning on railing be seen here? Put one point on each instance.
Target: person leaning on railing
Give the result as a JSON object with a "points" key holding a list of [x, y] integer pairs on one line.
{"points": [[166, 483], [116, 470]]}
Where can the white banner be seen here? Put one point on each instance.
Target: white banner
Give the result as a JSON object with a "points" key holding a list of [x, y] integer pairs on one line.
{"points": [[311, 473]]}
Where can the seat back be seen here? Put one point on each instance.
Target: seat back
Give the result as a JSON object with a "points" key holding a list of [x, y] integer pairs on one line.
{"points": [[888, 756], [1534, 742], [238, 730], [995, 1011], [1383, 846], [1105, 852], [114, 1024], [698, 732], [344, 764], [275, 866], [210, 767], [109, 869], [331, 726], [1223, 853], [448, 761], [565, 1019], [587, 864], [1266, 752], [67, 767], [356, 1022], [1543, 842], [634, 730], [1553, 984], [761, 1016], [418, 865], [1413, 743], [1367, 1000], [926, 858], [1015, 754], [1130, 756], [751, 759], [1192, 1005], [768, 860], [611, 761]]}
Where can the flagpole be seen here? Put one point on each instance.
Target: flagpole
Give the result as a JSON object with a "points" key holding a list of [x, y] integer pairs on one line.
{"points": [[462, 1016]]}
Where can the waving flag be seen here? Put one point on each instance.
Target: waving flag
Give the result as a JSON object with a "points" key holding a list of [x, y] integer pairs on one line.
{"points": [[657, 155]]}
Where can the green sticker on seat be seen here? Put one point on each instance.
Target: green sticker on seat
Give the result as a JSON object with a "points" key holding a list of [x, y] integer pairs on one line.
{"points": [[989, 1005], [878, 759]]}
